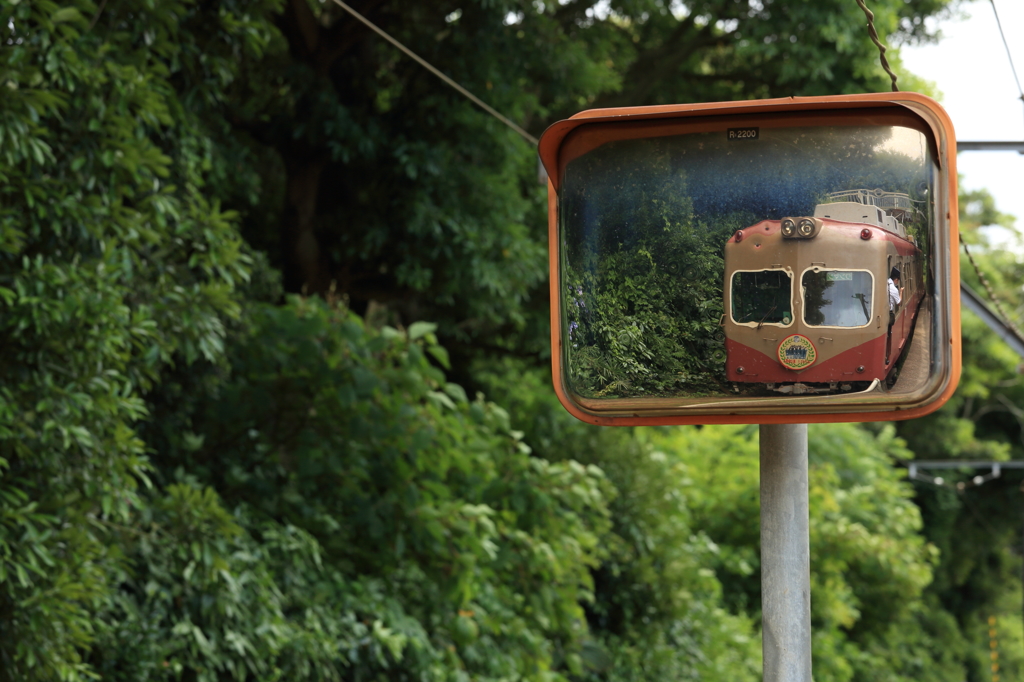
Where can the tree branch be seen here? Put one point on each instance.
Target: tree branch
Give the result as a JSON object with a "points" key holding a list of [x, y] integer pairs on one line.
{"points": [[303, 25], [313, 43]]}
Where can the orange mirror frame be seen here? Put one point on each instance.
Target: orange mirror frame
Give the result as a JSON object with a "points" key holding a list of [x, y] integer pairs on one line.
{"points": [[774, 261]]}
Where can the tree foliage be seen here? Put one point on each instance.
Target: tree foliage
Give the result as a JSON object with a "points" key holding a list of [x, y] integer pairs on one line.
{"points": [[385, 525], [114, 265], [979, 577]]}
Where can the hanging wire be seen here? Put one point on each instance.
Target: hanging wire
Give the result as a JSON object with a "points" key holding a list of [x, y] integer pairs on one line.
{"points": [[877, 42], [988, 288], [422, 62], [1007, 46]]}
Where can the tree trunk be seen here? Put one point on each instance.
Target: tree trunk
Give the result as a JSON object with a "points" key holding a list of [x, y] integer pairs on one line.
{"points": [[307, 268]]}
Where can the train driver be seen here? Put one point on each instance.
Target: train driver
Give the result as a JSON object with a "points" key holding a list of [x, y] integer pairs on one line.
{"points": [[895, 290], [895, 296]]}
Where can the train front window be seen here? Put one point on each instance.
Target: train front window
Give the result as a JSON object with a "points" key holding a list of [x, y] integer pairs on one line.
{"points": [[837, 298], [762, 297]]}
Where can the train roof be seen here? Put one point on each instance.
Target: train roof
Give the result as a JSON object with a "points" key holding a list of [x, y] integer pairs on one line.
{"points": [[895, 202], [872, 207]]}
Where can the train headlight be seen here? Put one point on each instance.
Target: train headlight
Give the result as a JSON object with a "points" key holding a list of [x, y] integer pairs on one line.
{"points": [[805, 228], [788, 227]]}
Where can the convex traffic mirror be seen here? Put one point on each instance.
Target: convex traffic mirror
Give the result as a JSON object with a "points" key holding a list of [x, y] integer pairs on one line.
{"points": [[754, 262]]}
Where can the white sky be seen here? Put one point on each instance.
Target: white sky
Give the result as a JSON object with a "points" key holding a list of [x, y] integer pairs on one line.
{"points": [[970, 68]]}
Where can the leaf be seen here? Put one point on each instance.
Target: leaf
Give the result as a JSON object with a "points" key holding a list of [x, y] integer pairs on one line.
{"points": [[66, 14], [420, 329], [457, 393], [440, 354], [440, 399]]}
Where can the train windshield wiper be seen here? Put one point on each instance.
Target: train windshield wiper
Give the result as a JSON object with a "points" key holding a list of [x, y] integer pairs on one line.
{"points": [[864, 305], [770, 311]]}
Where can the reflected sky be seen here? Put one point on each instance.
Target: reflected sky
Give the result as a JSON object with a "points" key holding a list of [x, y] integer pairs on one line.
{"points": [[786, 171]]}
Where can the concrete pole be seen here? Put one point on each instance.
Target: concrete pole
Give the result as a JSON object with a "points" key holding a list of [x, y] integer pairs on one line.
{"points": [[785, 554]]}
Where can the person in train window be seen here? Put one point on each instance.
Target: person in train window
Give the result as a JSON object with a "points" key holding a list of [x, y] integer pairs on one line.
{"points": [[895, 294]]}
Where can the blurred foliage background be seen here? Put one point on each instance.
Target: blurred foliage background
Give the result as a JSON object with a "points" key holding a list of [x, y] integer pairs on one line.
{"points": [[275, 402]]}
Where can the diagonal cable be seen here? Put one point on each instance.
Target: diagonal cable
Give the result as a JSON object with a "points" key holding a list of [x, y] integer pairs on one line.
{"points": [[988, 288], [1007, 46], [1009, 56], [429, 67]]}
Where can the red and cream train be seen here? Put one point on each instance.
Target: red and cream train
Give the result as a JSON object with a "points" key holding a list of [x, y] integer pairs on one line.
{"points": [[806, 297]]}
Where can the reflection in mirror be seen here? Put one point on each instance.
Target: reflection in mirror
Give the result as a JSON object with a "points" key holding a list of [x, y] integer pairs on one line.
{"points": [[702, 264]]}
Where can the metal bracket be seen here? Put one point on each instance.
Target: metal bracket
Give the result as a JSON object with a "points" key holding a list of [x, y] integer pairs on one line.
{"points": [[996, 470]]}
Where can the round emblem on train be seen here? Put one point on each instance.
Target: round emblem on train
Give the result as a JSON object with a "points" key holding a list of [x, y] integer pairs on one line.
{"points": [[797, 352]]}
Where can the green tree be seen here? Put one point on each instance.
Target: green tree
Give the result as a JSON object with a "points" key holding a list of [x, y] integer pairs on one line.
{"points": [[384, 524], [659, 611], [113, 264]]}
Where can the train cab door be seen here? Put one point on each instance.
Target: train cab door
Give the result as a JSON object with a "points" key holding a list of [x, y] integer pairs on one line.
{"points": [[887, 313], [903, 317]]}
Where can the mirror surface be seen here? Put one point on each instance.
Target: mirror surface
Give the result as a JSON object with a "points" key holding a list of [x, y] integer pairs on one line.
{"points": [[757, 261]]}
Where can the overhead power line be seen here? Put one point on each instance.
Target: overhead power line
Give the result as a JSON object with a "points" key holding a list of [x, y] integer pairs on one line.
{"points": [[429, 67], [1010, 56], [1007, 46]]}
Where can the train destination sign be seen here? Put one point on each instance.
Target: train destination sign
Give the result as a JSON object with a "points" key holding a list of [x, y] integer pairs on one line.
{"points": [[774, 261]]}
